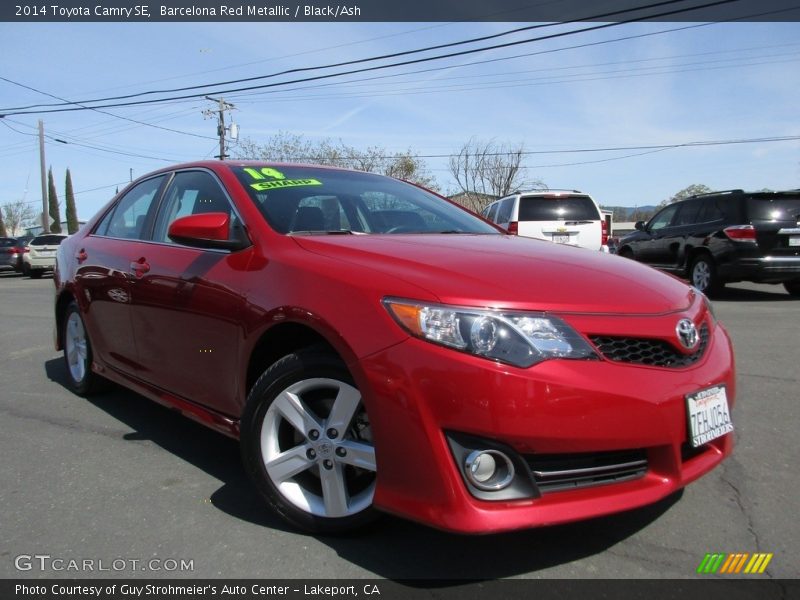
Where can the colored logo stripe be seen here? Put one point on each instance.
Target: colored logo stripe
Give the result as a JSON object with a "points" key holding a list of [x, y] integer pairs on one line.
{"points": [[738, 562]]}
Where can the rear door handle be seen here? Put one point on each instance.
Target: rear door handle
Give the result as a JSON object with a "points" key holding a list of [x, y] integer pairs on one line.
{"points": [[140, 267]]}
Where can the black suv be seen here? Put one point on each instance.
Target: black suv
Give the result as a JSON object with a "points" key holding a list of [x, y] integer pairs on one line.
{"points": [[721, 237]]}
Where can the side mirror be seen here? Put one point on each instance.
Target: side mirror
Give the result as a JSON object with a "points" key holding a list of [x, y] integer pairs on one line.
{"points": [[208, 230], [639, 225]]}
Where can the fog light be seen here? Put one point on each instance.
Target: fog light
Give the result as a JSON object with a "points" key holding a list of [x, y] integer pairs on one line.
{"points": [[489, 470]]}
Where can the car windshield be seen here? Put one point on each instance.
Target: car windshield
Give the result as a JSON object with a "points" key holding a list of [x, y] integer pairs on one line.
{"points": [[308, 200], [557, 208], [774, 208]]}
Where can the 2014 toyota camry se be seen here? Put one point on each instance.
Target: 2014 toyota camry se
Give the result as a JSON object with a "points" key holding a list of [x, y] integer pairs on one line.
{"points": [[375, 347]]}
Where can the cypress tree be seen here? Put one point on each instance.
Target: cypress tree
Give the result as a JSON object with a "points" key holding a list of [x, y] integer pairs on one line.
{"points": [[52, 200], [72, 213]]}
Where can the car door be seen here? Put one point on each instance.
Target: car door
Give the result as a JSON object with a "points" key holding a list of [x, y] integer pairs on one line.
{"points": [[653, 249], [187, 304], [106, 268]]}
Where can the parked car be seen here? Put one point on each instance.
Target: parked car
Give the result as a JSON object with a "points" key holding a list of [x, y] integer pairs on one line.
{"points": [[22, 249], [375, 347], [721, 237], [9, 254], [41, 254], [561, 216]]}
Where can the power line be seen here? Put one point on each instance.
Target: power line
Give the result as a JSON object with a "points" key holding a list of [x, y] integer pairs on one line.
{"points": [[371, 58], [380, 67], [68, 102]]}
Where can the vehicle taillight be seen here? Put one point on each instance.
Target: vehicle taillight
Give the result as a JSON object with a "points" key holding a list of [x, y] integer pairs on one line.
{"points": [[741, 233], [604, 238], [513, 227]]}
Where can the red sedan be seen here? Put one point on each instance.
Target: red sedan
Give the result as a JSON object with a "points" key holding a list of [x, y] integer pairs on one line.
{"points": [[375, 347]]}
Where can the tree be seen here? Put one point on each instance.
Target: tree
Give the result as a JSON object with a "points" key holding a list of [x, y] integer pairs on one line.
{"points": [[52, 201], [289, 147], [3, 232], [15, 214], [484, 170], [72, 213], [695, 188]]}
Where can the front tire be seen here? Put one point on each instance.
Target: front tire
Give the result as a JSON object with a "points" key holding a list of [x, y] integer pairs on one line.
{"points": [[78, 353], [703, 275], [307, 444], [35, 273]]}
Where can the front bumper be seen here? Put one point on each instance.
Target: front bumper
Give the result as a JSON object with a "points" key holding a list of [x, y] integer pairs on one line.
{"points": [[416, 392]]}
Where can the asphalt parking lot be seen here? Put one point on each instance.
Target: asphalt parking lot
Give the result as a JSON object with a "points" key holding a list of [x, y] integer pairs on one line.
{"points": [[116, 477]]}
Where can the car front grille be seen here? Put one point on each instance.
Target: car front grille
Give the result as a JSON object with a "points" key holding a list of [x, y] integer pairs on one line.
{"points": [[651, 352], [558, 472]]}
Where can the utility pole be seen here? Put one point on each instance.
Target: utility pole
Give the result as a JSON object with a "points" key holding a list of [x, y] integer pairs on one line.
{"points": [[45, 209], [221, 129]]}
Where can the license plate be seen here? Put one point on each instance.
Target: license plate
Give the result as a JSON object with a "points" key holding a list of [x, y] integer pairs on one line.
{"points": [[709, 415], [561, 239], [794, 240]]}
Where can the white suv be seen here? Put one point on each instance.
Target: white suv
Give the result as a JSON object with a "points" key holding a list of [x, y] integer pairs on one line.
{"points": [[561, 216]]}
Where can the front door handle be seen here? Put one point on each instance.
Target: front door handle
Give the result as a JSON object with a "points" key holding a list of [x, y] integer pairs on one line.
{"points": [[81, 255], [140, 267]]}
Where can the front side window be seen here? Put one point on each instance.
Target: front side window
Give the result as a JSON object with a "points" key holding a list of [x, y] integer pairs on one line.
{"points": [[128, 218], [663, 219], [189, 193], [310, 200]]}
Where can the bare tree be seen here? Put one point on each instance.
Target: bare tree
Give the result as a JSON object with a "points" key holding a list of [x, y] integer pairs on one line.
{"points": [[15, 214], [485, 170], [289, 147]]}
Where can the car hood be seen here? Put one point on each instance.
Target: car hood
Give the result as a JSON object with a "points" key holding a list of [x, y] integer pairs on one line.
{"points": [[510, 272]]}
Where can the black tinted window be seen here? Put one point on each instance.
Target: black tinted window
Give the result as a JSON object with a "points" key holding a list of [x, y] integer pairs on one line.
{"points": [[504, 210], [774, 208], [557, 208], [7, 242], [688, 213], [709, 211], [47, 240]]}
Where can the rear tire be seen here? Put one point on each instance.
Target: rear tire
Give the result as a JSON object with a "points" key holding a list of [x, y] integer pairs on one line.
{"points": [[703, 275], [307, 444], [793, 287], [78, 353]]}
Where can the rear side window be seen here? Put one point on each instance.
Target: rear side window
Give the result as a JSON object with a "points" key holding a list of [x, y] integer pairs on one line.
{"points": [[709, 211], [688, 213], [127, 218], [557, 208], [504, 210], [774, 208]]}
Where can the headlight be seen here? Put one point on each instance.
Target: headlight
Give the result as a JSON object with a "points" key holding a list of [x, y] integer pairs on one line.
{"points": [[518, 338]]}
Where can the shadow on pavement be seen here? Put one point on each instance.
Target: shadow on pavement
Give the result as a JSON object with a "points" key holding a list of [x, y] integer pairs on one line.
{"points": [[764, 293], [391, 548]]}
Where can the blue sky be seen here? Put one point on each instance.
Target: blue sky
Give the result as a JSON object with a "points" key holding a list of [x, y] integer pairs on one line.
{"points": [[713, 82]]}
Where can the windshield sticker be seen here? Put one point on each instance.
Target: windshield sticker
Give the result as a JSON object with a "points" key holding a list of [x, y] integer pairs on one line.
{"points": [[263, 186], [264, 172]]}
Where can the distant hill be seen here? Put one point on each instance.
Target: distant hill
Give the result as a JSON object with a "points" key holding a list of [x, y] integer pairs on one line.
{"points": [[632, 213]]}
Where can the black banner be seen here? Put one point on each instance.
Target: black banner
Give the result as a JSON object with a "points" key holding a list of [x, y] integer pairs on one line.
{"points": [[368, 589], [407, 10]]}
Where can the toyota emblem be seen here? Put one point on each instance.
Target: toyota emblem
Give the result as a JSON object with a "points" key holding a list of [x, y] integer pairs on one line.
{"points": [[687, 334]]}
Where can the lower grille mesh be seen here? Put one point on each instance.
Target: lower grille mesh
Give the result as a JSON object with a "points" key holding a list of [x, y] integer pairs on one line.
{"points": [[555, 472]]}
